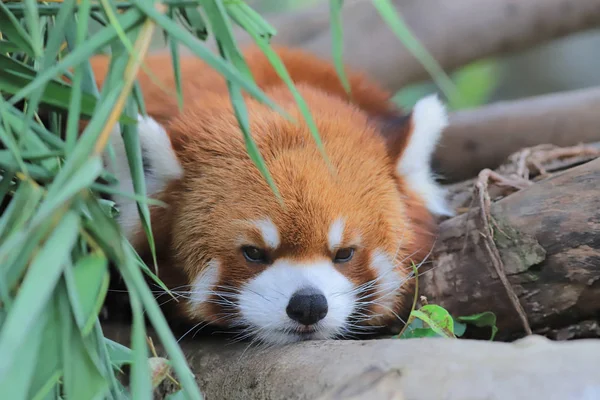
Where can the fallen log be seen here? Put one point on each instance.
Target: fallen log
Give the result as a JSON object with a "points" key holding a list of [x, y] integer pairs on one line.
{"points": [[401, 369], [484, 137], [547, 237], [490, 28]]}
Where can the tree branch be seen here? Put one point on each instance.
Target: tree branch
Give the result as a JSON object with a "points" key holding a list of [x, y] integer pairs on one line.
{"points": [[484, 137], [455, 32]]}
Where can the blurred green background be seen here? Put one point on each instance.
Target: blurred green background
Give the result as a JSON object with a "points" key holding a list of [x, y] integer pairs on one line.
{"points": [[565, 64]]}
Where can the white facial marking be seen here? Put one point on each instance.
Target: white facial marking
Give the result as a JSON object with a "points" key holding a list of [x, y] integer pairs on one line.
{"points": [[161, 159], [388, 278], [336, 233], [269, 232], [264, 299], [204, 283], [429, 120]]}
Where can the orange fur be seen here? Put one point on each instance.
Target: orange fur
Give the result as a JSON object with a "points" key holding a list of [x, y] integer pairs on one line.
{"points": [[221, 187]]}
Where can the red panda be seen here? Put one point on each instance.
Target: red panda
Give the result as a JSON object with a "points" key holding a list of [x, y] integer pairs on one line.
{"points": [[335, 257]]}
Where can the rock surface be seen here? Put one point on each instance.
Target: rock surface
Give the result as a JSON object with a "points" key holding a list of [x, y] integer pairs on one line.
{"points": [[413, 369]]}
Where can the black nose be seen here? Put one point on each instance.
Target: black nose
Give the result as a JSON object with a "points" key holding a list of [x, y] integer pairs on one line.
{"points": [[307, 306]]}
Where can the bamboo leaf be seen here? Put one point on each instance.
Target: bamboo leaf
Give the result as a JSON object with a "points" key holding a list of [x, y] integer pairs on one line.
{"points": [[82, 378], [14, 76], [195, 21], [15, 32], [284, 75], [128, 20], [17, 381], [88, 289], [48, 364], [337, 33], [393, 19], [201, 51], [36, 289]]}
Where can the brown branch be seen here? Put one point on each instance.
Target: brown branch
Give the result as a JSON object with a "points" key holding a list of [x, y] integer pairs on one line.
{"points": [[455, 32], [486, 136], [490, 244]]}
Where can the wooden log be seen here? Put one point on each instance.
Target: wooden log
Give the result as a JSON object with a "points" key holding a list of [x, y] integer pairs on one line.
{"points": [[490, 27], [549, 243], [483, 137], [457, 33]]}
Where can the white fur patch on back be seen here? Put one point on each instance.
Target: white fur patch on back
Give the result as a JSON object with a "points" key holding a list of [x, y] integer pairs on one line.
{"points": [[269, 232], [159, 156], [428, 121], [264, 299], [336, 233]]}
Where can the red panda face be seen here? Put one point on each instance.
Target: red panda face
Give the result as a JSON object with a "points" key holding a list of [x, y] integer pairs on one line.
{"points": [[333, 256]]}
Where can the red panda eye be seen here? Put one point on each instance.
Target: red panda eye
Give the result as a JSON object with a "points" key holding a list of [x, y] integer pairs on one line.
{"points": [[344, 255], [255, 255]]}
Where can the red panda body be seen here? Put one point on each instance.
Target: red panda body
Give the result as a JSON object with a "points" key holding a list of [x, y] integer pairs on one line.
{"points": [[334, 258]]}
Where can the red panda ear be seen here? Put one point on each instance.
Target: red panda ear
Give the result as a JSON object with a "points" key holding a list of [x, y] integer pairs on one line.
{"points": [[411, 141], [161, 166]]}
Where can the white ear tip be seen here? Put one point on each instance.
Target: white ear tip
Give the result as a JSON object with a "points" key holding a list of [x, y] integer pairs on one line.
{"points": [[430, 110]]}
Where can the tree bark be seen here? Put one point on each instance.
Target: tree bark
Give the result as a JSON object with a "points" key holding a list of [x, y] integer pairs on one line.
{"points": [[454, 32], [548, 240], [484, 137]]}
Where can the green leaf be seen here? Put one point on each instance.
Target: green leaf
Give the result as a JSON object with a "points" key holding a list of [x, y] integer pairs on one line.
{"points": [[484, 319], [133, 151], [119, 355], [257, 23], [36, 289], [403, 32], [59, 192], [459, 328], [176, 66], [201, 51], [15, 32], [16, 382], [20, 209], [284, 75], [475, 83], [32, 17], [128, 20], [8, 47], [14, 76], [55, 39], [141, 380], [195, 21], [178, 395], [437, 318], [49, 362], [180, 366], [88, 290], [337, 33], [82, 378], [81, 25], [413, 333]]}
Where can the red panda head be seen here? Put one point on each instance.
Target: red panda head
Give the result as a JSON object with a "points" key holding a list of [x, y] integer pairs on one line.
{"points": [[334, 257]]}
